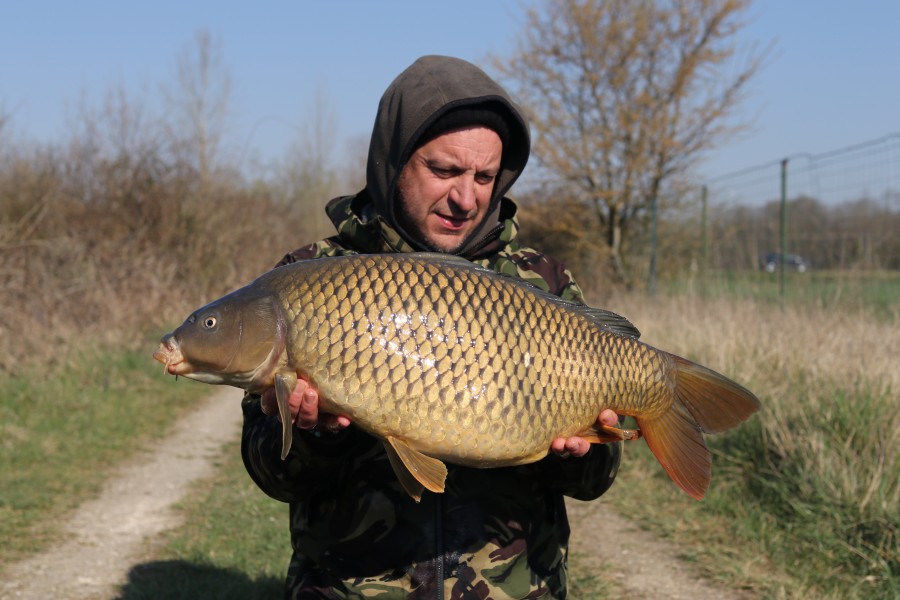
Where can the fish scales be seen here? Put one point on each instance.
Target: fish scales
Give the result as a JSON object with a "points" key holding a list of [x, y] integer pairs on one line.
{"points": [[448, 361], [518, 379]]}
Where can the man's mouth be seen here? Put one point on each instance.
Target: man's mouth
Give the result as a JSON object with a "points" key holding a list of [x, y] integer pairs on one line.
{"points": [[453, 223]]}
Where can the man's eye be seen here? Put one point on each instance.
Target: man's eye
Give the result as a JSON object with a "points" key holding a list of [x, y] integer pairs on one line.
{"points": [[484, 178], [441, 172]]}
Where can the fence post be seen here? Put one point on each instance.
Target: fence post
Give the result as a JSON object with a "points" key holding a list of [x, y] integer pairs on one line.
{"points": [[704, 237], [651, 277], [783, 242]]}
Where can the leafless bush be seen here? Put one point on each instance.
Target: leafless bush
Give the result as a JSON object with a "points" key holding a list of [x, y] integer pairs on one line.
{"points": [[98, 245]]}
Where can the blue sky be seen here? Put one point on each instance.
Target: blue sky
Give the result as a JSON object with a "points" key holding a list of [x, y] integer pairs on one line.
{"points": [[833, 78]]}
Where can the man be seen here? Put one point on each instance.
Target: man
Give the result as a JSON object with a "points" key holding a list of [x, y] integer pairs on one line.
{"points": [[446, 146]]}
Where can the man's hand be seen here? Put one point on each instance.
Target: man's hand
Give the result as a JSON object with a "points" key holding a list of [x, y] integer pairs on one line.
{"points": [[304, 405], [578, 447]]}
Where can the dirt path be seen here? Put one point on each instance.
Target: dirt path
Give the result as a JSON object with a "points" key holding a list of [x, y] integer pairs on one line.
{"points": [[106, 536], [109, 535], [644, 565]]}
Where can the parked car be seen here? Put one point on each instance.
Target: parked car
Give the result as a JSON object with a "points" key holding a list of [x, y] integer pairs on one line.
{"points": [[792, 262]]}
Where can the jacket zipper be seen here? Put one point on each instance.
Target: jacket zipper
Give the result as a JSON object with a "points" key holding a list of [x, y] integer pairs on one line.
{"points": [[472, 249], [439, 547]]}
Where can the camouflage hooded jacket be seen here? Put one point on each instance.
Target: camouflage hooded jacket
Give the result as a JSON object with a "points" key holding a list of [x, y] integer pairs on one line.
{"points": [[495, 533]]}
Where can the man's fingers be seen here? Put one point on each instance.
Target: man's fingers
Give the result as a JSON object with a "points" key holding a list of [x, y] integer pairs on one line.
{"points": [[304, 405], [332, 423], [558, 445], [307, 416], [609, 418], [573, 446], [577, 446], [268, 403]]}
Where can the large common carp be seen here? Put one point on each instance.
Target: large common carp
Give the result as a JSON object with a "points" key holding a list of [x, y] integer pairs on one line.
{"points": [[448, 361]]}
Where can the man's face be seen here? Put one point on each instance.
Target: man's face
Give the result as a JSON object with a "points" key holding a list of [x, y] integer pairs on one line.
{"points": [[445, 188]]}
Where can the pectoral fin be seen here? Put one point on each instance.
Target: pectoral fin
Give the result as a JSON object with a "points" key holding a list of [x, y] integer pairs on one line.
{"points": [[415, 470], [284, 386]]}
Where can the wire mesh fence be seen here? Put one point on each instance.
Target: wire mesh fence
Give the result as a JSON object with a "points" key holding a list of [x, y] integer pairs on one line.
{"points": [[821, 227], [834, 210]]}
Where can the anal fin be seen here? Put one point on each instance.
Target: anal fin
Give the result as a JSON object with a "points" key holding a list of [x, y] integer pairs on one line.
{"points": [[604, 434], [416, 471]]}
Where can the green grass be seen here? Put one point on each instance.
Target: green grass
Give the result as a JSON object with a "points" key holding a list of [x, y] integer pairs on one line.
{"points": [[62, 430], [587, 583], [877, 291], [833, 488], [235, 544], [777, 532]]}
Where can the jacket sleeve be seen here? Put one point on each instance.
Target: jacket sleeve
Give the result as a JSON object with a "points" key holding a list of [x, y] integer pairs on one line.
{"points": [[584, 478], [314, 456]]}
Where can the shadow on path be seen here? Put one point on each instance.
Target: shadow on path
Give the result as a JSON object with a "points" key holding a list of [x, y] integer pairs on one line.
{"points": [[178, 579]]}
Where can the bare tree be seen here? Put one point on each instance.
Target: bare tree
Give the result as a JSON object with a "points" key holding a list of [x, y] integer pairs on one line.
{"points": [[625, 95], [199, 103]]}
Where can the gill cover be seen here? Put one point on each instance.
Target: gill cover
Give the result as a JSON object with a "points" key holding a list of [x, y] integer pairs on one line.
{"points": [[227, 341]]}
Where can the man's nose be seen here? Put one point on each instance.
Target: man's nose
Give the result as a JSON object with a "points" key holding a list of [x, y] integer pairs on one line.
{"points": [[463, 193]]}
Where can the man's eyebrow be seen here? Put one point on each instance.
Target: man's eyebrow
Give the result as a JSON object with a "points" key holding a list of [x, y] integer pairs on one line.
{"points": [[445, 165], [442, 165]]}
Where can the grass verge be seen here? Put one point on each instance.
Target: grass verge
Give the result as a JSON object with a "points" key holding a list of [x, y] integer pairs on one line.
{"points": [[234, 544], [805, 497], [63, 430], [873, 291]]}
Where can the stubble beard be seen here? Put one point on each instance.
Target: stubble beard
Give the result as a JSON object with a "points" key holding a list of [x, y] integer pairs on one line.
{"points": [[414, 232]]}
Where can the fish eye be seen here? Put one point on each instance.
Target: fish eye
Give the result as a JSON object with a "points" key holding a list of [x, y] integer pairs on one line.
{"points": [[209, 322]]}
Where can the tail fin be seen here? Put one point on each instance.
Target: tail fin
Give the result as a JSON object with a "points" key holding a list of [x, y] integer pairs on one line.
{"points": [[716, 402], [705, 402]]}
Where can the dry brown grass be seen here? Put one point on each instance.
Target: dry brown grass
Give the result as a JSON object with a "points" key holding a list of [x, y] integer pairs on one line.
{"points": [[803, 361], [759, 341], [812, 483]]}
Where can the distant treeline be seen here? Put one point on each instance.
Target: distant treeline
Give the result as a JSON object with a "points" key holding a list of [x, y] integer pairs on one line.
{"points": [[862, 234]]}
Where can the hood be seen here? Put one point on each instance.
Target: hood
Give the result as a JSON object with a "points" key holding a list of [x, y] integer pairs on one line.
{"points": [[358, 229], [417, 98]]}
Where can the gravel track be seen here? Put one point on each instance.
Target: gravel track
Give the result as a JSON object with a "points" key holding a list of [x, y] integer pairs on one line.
{"points": [[107, 536]]}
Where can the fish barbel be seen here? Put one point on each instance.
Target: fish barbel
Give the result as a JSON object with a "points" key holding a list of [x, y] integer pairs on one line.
{"points": [[448, 361]]}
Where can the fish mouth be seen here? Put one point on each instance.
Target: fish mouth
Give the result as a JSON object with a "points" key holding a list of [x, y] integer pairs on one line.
{"points": [[178, 368], [169, 354]]}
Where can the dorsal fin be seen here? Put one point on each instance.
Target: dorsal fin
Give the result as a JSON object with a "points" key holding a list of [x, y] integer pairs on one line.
{"points": [[608, 320]]}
